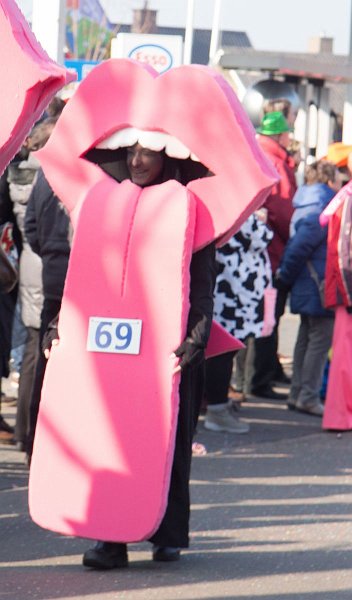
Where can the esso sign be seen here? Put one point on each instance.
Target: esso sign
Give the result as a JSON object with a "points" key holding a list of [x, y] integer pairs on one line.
{"points": [[156, 56]]}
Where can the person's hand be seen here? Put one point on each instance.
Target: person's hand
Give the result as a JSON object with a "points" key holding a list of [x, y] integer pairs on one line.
{"points": [[50, 338], [190, 353], [279, 284]]}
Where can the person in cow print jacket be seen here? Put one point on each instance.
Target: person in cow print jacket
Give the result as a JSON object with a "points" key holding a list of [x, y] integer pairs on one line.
{"points": [[244, 272]]}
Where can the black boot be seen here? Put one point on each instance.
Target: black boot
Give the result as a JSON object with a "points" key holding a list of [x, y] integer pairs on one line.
{"points": [[165, 553], [106, 555]]}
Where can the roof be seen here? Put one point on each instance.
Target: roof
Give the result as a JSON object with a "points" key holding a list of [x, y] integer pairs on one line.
{"points": [[322, 66]]}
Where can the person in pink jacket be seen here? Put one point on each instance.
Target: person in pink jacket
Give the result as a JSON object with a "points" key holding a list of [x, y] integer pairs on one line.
{"points": [[338, 295]]}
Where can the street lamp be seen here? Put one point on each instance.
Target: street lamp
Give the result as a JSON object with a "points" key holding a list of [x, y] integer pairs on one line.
{"points": [[48, 24], [215, 31], [187, 51], [214, 42]]}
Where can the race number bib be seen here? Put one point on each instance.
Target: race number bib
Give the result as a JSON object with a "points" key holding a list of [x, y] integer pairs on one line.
{"points": [[120, 336]]}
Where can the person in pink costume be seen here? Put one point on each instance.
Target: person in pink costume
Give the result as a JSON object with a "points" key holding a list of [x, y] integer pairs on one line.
{"points": [[133, 319], [338, 295]]}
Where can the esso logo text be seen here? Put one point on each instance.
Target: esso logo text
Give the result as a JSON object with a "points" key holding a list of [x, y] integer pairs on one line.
{"points": [[156, 56]]}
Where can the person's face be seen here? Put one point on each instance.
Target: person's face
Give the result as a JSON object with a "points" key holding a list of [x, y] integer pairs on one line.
{"points": [[144, 165], [337, 183], [349, 164], [284, 139], [291, 116]]}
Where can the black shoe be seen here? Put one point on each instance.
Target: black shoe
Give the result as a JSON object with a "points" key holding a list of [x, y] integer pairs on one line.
{"points": [[166, 553], [106, 555], [282, 378], [4, 426], [269, 393]]}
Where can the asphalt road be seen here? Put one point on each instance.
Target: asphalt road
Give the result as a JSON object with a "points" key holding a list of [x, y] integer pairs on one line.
{"points": [[271, 520]]}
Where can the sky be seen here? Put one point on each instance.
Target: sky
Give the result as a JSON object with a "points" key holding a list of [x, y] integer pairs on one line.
{"points": [[277, 25]]}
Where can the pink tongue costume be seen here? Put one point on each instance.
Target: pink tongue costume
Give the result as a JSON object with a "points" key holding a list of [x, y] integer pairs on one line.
{"points": [[106, 429]]}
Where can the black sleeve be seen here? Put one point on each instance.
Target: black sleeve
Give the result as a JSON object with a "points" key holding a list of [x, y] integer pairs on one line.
{"points": [[37, 200], [203, 275], [6, 210], [30, 222]]}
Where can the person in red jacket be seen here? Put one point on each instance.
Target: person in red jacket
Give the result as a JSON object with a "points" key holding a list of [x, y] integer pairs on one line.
{"points": [[273, 139]]}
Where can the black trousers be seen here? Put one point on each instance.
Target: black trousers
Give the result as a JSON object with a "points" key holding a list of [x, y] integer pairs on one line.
{"points": [[174, 528], [218, 371], [265, 365], [7, 311], [51, 308], [25, 387]]}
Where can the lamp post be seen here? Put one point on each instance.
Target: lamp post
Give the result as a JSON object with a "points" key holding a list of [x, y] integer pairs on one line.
{"points": [[347, 111], [214, 41], [187, 50], [215, 31], [48, 24]]}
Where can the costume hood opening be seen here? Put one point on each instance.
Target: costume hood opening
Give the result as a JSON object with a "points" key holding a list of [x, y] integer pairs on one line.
{"points": [[113, 163]]}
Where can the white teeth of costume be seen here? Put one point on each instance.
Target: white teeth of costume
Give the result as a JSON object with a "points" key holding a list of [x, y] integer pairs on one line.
{"points": [[175, 149], [120, 139], [154, 140]]}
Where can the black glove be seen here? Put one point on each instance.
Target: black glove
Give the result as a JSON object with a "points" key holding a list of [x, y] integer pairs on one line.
{"points": [[50, 334], [279, 284], [191, 354]]}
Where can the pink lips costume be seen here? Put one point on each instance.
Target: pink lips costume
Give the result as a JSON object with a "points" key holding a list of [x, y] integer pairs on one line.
{"points": [[106, 428], [29, 80]]}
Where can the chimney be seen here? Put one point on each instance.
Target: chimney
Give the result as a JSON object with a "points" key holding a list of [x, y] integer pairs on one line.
{"points": [[321, 44], [144, 20]]}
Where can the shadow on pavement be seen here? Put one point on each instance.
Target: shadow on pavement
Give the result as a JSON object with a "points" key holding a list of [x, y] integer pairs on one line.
{"points": [[271, 520]]}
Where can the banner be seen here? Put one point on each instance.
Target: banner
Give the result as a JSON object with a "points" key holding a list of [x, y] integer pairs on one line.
{"points": [[88, 29]]}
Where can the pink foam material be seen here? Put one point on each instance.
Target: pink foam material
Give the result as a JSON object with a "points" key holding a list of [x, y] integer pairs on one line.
{"points": [[338, 405], [105, 436], [193, 103], [101, 463], [220, 341], [335, 203], [29, 80]]}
